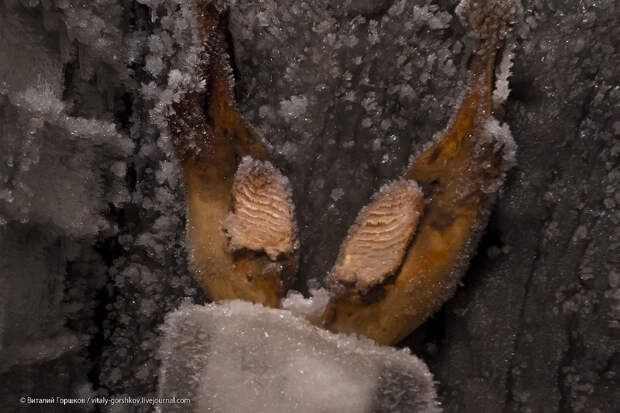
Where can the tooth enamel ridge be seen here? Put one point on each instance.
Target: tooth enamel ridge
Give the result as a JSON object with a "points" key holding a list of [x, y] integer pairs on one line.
{"points": [[263, 216], [378, 240]]}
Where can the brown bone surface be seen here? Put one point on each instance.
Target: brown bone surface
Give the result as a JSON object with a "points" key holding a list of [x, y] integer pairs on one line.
{"points": [[453, 182], [209, 176]]}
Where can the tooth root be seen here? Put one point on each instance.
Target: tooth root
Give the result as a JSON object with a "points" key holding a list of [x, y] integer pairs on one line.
{"points": [[379, 238], [263, 212]]}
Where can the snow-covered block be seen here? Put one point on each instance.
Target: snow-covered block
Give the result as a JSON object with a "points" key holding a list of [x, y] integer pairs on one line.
{"points": [[241, 357]]}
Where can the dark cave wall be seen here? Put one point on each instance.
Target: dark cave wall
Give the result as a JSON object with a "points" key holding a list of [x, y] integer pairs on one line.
{"points": [[535, 325]]}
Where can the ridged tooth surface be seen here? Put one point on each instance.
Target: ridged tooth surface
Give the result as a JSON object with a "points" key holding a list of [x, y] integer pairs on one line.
{"points": [[378, 240], [262, 217]]}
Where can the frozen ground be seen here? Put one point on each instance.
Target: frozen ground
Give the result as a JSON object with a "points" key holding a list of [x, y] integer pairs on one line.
{"points": [[91, 208], [275, 362]]}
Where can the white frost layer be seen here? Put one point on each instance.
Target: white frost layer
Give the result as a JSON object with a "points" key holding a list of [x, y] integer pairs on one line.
{"points": [[241, 357], [311, 308]]}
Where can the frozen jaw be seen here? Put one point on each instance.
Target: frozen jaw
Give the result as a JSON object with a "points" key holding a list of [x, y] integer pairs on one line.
{"points": [[460, 173]]}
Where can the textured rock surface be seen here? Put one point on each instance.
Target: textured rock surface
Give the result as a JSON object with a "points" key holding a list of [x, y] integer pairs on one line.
{"points": [[91, 213], [344, 94], [535, 326]]}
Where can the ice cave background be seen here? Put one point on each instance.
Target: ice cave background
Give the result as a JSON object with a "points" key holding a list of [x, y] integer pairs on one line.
{"points": [[92, 237]]}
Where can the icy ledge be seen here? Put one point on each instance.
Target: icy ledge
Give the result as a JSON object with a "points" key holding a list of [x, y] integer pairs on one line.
{"points": [[241, 357]]}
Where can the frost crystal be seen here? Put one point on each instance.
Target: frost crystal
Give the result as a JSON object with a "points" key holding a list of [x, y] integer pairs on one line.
{"points": [[503, 72], [309, 308], [294, 107]]}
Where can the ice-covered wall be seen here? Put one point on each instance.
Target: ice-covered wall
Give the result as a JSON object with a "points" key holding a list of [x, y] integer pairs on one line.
{"points": [[91, 208], [92, 214], [59, 171], [344, 91], [346, 82], [535, 327]]}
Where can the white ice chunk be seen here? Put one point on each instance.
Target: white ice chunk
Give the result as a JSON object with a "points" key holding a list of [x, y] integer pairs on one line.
{"points": [[309, 308], [293, 107], [336, 194], [241, 357]]}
